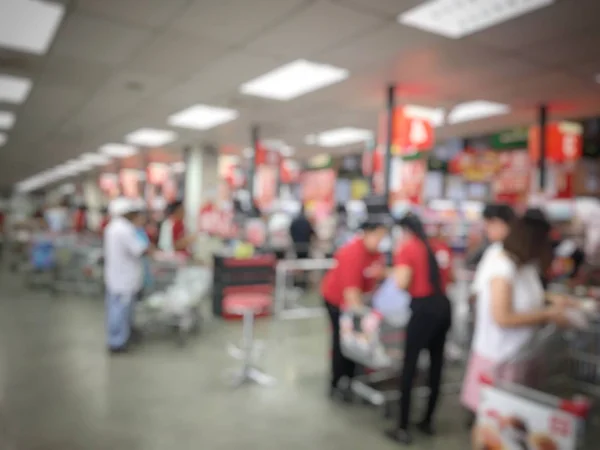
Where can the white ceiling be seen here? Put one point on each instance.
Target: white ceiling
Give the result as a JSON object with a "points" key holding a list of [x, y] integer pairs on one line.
{"points": [[119, 65]]}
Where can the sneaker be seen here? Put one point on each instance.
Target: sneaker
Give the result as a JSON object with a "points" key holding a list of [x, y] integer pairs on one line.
{"points": [[399, 435]]}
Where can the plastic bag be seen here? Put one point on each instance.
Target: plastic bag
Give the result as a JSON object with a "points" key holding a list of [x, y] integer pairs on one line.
{"points": [[392, 303], [361, 337]]}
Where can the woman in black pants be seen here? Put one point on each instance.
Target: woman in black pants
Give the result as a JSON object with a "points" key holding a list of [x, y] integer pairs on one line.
{"points": [[416, 270]]}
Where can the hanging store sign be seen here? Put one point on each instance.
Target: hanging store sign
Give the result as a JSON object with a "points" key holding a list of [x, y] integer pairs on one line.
{"points": [[475, 166], [514, 139], [564, 142], [410, 134]]}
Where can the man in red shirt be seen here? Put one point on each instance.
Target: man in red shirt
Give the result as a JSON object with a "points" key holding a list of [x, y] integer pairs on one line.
{"points": [[416, 269], [359, 266]]}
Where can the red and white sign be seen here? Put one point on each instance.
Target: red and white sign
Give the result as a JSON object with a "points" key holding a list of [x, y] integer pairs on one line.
{"points": [[318, 189], [512, 181], [564, 142], [290, 171], [216, 222], [407, 178], [158, 173], [506, 420], [410, 134], [130, 179], [265, 187], [109, 184]]}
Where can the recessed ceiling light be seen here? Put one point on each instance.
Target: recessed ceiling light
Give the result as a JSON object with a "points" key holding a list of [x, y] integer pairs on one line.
{"points": [[476, 110], [29, 25], [293, 80], [151, 137], [3, 139], [95, 159], [14, 89], [341, 136], [202, 117], [434, 115], [7, 120], [459, 18], [118, 150]]}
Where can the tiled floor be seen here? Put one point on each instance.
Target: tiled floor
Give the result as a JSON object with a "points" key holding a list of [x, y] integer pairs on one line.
{"points": [[59, 390]]}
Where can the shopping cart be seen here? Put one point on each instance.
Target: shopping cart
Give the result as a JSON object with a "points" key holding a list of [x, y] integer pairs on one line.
{"points": [[376, 343], [80, 265], [41, 267], [543, 398], [173, 298]]}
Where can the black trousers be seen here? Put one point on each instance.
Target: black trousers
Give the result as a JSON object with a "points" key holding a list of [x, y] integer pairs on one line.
{"points": [[427, 330], [340, 365]]}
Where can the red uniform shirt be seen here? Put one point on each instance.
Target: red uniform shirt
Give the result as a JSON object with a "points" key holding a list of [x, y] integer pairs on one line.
{"points": [[179, 233], [413, 253], [79, 222], [354, 269]]}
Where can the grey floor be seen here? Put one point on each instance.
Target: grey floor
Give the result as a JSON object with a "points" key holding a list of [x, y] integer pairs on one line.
{"points": [[59, 389]]}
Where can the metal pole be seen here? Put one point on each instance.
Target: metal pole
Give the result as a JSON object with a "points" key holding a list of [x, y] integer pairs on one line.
{"points": [[255, 134], [391, 105], [542, 122]]}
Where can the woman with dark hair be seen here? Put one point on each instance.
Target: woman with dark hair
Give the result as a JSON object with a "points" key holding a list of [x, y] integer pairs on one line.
{"points": [[173, 236], [510, 304], [359, 266], [417, 271]]}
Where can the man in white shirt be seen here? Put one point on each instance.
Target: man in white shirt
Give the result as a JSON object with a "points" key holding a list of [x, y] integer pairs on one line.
{"points": [[123, 270]]}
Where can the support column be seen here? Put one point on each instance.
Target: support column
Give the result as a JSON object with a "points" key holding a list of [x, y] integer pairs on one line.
{"points": [[391, 106], [255, 136], [145, 159], [92, 197], [542, 122]]}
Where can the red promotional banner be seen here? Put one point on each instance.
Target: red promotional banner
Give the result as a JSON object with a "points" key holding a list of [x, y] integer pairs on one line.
{"points": [[157, 173], [265, 186], [564, 142], [410, 134], [109, 184], [289, 171], [407, 180], [318, 190], [130, 179], [475, 166], [512, 181], [266, 156], [216, 222]]}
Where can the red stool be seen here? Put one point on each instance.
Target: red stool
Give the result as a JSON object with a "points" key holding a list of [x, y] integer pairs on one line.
{"points": [[248, 306]]}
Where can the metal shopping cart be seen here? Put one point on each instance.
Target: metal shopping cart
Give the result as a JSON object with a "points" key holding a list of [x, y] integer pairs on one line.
{"points": [[173, 298], [79, 265], [377, 344], [549, 399]]}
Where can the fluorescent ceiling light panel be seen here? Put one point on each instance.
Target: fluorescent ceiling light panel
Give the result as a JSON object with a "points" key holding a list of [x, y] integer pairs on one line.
{"points": [[476, 110], [435, 116], [14, 89], [459, 18], [202, 117], [118, 150], [7, 120], [151, 137], [293, 80], [3, 139], [95, 159], [341, 136], [29, 25]]}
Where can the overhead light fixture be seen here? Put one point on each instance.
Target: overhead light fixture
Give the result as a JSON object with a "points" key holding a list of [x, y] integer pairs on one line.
{"points": [[456, 19], [435, 116], [3, 139], [339, 137], [293, 80], [202, 117], [7, 120], [118, 150], [14, 89], [151, 137], [29, 25], [95, 159], [476, 110]]}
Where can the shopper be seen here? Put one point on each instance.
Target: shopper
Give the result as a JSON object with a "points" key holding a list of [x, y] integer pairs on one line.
{"points": [[359, 266], [123, 271], [497, 219], [417, 271], [173, 237], [302, 234], [510, 302], [104, 220]]}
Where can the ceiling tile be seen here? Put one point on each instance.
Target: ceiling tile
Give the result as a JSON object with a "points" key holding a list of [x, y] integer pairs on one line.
{"points": [[223, 76], [233, 21], [146, 13], [390, 8], [74, 73], [176, 55], [53, 101], [291, 38], [556, 21], [567, 52], [96, 39]]}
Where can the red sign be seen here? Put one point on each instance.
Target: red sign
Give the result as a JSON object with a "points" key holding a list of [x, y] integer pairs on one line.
{"points": [[216, 222], [266, 156], [158, 173], [407, 180], [289, 171], [512, 181], [409, 135], [130, 179], [564, 142], [109, 184], [318, 189], [265, 186]]}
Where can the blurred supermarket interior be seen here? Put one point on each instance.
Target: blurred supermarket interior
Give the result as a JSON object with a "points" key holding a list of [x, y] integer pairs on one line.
{"points": [[249, 111]]}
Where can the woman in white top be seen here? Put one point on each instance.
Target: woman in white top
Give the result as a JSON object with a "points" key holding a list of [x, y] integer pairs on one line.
{"points": [[511, 304]]}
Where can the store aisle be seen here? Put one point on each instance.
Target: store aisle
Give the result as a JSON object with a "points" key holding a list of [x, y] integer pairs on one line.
{"points": [[60, 390]]}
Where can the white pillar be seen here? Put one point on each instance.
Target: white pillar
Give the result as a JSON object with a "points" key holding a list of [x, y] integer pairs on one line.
{"points": [[92, 197], [201, 178]]}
